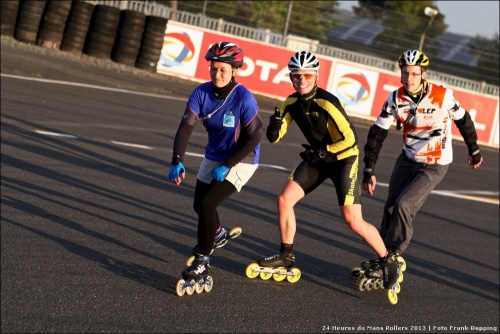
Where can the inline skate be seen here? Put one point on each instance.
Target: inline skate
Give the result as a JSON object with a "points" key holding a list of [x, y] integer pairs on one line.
{"points": [[195, 277], [278, 266], [220, 241], [372, 277]]}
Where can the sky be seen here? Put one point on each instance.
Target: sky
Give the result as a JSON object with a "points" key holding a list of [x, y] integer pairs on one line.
{"points": [[469, 18]]}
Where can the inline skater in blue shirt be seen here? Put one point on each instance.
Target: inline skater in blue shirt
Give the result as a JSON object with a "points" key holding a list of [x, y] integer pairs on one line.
{"points": [[229, 113]]}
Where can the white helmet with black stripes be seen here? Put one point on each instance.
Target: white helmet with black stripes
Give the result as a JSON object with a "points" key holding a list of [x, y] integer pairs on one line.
{"points": [[303, 60]]}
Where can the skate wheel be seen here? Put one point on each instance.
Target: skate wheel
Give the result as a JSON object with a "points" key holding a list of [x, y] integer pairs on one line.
{"points": [[400, 278], [180, 288], [189, 261], [296, 275], [403, 263], [369, 284], [250, 271], [392, 296], [398, 288], [235, 232], [356, 272], [362, 284], [198, 287], [190, 287], [209, 283], [265, 276], [281, 275], [379, 284]]}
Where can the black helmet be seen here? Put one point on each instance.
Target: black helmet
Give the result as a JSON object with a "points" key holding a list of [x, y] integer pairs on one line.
{"points": [[413, 58], [226, 52]]}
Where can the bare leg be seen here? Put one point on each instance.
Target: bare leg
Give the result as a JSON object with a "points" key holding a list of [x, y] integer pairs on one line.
{"points": [[289, 196], [354, 218]]}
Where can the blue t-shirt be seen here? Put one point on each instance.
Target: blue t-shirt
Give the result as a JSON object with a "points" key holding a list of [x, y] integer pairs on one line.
{"points": [[224, 120]]}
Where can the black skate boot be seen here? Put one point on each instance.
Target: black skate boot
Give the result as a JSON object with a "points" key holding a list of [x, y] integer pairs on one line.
{"points": [[278, 266], [372, 265], [390, 270], [282, 259], [195, 277], [221, 238], [360, 272], [199, 267], [371, 275]]}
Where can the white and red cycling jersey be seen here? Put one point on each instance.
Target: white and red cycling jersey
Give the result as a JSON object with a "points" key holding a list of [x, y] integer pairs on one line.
{"points": [[426, 123]]}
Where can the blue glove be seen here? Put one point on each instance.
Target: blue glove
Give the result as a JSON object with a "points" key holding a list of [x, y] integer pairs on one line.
{"points": [[176, 171], [220, 172]]}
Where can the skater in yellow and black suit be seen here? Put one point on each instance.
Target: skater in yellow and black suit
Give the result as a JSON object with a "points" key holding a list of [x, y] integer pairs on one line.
{"points": [[331, 153]]}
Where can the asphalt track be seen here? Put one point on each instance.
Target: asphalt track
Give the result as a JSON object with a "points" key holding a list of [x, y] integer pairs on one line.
{"points": [[94, 237]]}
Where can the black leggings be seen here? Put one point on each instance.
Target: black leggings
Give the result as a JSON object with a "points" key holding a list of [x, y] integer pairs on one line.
{"points": [[207, 197]]}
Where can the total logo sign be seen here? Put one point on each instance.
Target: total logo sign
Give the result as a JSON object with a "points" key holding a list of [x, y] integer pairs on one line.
{"points": [[180, 52], [355, 87]]}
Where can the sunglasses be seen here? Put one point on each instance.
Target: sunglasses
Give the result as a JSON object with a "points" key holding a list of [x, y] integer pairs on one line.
{"points": [[299, 76]]}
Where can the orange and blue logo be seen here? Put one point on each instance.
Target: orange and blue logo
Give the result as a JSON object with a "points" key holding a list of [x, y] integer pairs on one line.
{"points": [[178, 49], [353, 89]]}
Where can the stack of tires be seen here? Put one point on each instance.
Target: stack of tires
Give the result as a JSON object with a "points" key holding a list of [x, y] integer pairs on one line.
{"points": [[103, 28], [77, 27], [9, 17], [128, 39], [28, 20], [152, 43], [53, 23]]}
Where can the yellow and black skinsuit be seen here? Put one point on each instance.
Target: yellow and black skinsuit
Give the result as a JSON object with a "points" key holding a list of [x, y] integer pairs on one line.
{"points": [[322, 119]]}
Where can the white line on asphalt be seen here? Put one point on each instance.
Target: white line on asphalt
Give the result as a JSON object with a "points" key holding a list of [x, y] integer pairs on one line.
{"points": [[132, 145], [48, 133], [68, 83]]}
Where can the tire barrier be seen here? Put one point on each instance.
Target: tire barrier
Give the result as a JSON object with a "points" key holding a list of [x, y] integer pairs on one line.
{"points": [[28, 20], [77, 27], [53, 23], [103, 28], [9, 17], [152, 43], [129, 36]]}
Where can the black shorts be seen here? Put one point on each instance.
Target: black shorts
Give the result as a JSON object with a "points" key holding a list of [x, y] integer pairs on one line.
{"points": [[343, 173]]}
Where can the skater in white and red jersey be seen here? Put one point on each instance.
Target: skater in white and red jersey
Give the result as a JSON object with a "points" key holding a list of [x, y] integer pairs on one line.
{"points": [[426, 112]]}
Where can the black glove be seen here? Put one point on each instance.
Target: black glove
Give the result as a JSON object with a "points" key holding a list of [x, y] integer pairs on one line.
{"points": [[275, 120], [476, 158], [367, 175], [311, 155]]}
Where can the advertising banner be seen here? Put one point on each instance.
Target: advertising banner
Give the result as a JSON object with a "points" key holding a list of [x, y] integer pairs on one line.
{"points": [[355, 86], [265, 68]]}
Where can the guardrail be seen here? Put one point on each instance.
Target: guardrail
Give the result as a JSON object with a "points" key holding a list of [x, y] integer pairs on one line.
{"points": [[270, 37]]}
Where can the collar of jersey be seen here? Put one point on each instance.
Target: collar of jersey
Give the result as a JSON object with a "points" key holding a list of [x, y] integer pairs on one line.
{"points": [[309, 95]]}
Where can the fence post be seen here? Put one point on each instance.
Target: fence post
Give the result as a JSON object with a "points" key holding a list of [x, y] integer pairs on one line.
{"points": [[314, 46], [267, 37], [220, 25]]}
